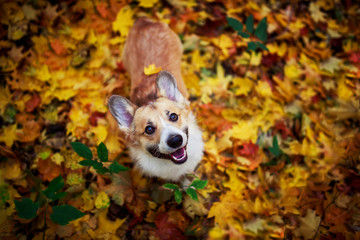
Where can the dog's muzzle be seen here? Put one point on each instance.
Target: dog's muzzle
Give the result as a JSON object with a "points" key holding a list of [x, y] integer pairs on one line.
{"points": [[179, 156]]}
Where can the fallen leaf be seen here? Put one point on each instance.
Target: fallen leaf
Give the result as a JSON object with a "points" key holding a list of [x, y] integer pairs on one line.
{"points": [[152, 69]]}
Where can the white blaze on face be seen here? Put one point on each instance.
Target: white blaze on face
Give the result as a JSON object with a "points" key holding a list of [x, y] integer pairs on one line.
{"points": [[168, 130]]}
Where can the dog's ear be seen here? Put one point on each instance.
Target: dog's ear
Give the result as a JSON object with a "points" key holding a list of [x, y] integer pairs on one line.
{"points": [[122, 110], [167, 86]]}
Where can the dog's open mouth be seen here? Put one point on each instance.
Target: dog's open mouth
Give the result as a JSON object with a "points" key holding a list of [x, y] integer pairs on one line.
{"points": [[179, 156]]}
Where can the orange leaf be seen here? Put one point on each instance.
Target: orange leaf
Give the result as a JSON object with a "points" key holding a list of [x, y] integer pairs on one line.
{"points": [[48, 169], [58, 47]]}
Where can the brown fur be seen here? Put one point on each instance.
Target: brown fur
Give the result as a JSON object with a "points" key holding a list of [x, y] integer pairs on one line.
{"points": [[143, 49]]}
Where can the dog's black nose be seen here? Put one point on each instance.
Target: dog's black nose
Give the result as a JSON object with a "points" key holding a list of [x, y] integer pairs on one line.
{"points": [[175, 141]]}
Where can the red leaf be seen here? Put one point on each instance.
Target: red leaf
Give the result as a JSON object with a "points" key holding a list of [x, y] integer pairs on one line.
{"points": [[269, 60], [32, 103], [167, 230], [354, 57], [95, 116], [248, 149], [283, 129]]}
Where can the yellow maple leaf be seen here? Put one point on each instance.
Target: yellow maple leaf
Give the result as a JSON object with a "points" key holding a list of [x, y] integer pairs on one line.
{"points": [[100, 132], [124, 20], [244, 85], [147, 3], [316, 13], [43, 73], [9, 135], [245, 130], [224, 42], [152, 69], [292, 71], [106, 229]]}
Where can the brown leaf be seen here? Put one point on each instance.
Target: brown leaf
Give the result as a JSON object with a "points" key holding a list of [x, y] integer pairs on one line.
{"points": [[32, 103], [48, 169]]}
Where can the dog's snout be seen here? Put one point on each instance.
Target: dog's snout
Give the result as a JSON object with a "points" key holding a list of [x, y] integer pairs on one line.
{"points": [[175, 141]]}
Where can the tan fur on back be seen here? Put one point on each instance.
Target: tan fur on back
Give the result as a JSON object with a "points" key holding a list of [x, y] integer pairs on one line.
{"points": [[151, 43]]}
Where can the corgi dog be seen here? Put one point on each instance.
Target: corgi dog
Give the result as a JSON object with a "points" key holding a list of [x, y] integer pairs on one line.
{"points": [[161, 131]]}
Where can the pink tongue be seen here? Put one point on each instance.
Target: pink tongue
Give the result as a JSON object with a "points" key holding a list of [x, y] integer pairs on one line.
{"points": [[178, 154]]}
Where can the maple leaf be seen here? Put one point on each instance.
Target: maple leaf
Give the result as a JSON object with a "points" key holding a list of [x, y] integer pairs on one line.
{"points": [[331, 65], [51, 11], [9, 135], [29, 12], [43, 73], [316, 13], [58, 47], [106, 228], [308, 225], [152, 69], [123, 22]]}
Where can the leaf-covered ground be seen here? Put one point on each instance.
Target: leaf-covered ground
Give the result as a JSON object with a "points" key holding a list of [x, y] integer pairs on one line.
{"points": [[281, 127]]}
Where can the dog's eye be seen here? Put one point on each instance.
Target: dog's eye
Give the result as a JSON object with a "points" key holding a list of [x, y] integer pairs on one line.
{"points": [[173, 117], [149, 130]]}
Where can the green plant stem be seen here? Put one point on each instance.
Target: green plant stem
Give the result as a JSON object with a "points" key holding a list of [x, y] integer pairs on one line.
{"points": [[44, 228]]}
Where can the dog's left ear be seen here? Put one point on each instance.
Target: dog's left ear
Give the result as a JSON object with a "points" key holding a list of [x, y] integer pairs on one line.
{"points": [[167, 86]]}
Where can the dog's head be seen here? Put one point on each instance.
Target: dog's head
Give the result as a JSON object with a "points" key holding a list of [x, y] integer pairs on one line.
{"points": [[159, 128]]}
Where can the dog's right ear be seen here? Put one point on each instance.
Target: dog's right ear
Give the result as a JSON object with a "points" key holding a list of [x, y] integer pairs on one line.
{"points": [[122, 110]]}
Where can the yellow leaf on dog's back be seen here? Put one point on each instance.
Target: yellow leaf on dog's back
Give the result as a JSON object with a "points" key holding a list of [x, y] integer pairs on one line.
{"points": [[151, 69]]}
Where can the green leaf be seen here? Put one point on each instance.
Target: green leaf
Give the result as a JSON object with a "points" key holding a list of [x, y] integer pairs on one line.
{"points": [[57, 196], [102, 170], [275, 150], [102, 152], [82, 150], [64, 214], [178, 196], [252, 46], [9, 114], [26, 208], [170, 186], [54, 186], [199, 184], [261, 30], [244, 34], [91, 163], [235, 24], [262, 46], [250, 23], [115, 167], [44, 155], [192, 193]]}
